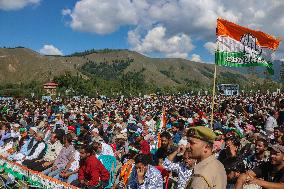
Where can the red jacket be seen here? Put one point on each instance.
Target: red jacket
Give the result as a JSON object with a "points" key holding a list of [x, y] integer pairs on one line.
{"points": [[163, 171], [93, 171], [145, 147]]}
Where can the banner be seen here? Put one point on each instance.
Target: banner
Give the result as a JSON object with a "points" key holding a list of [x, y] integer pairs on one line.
{"points": [[238, 46], [32, 178]]}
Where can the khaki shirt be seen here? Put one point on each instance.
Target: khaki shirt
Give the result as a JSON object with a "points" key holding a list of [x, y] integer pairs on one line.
{"points": [[208, 174]]}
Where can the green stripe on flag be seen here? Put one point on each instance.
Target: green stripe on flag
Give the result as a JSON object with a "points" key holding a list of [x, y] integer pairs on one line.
{"points": [[241, 59]]}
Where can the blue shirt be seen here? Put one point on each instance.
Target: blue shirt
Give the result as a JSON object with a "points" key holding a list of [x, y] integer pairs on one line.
{"points": [[152, 179], [4, 136], [177, 137], [24, 150], [184, 172]]}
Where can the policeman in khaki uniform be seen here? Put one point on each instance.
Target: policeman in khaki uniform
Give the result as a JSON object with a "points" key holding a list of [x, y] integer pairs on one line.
{"points": [[208, 173]]}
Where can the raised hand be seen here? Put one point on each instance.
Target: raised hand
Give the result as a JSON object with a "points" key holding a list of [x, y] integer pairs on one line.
{"points": [[140, 174]]}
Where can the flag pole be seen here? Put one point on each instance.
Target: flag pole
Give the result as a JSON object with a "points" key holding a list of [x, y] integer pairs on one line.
{"points": [[213, 96], [214, 80], [214, 84]]}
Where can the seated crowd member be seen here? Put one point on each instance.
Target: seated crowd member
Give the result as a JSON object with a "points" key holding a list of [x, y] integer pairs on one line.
{"points": [[21, 149], [128, 163], [37, 151], [102, 148], [156, 142], [92, 174], [259, 156], [166, 147], [65, 155], [268, 174], [144, 175], [53, 149], [5, 133], [183, 168], [70, 173]]}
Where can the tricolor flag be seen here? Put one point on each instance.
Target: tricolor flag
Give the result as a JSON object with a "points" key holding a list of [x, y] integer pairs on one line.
{"points": [[163, 120], [161, 123], [238, 46]]}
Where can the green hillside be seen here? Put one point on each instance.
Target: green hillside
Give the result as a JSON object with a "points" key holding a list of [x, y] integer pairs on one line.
{"points": [[111, 71]]}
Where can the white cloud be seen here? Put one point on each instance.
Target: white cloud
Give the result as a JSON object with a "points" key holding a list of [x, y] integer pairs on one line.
{"points": [[16, 4], [156, 40], [50, 50], [66, 12], [192, 17], [196, 19], [102, 16], [195, 58], [210, 46]]}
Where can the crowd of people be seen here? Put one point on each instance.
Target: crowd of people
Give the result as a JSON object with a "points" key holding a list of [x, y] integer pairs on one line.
{"points": [[156, 142]]}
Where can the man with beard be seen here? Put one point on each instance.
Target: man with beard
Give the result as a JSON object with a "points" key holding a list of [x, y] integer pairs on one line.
{"points": [[53, 149], [208, 172], [259, 156], [85, 135], [234, 168], [37, 151], [165, 149], [177, 129], [232, 149], [92, 174], [278, 135], [121, 145], [268, 175], [102, 148]]}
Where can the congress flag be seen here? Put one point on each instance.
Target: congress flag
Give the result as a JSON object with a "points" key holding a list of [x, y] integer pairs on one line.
{"points": [[238, 46]]}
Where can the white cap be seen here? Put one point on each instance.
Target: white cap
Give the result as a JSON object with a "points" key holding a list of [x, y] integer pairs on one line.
{"points": [[96, 130], [124, 131], [34, 129], [16, 125]]}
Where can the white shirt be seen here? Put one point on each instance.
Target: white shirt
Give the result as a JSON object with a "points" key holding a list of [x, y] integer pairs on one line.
{"points": [[15, 135], [151, 124], [75, 164], [181, 169], [4, 149], [106, 150], [271, 123]]}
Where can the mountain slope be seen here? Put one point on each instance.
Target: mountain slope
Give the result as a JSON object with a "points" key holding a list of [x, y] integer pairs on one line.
{"points": [[165, 71], [24, 65], [21, 65], [261, 71]]}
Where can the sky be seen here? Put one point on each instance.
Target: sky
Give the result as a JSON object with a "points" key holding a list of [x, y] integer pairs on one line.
{"points": [[156, 28]]}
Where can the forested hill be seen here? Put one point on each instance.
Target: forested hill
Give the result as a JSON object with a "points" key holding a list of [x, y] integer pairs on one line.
{"points": [[117, 69]]}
